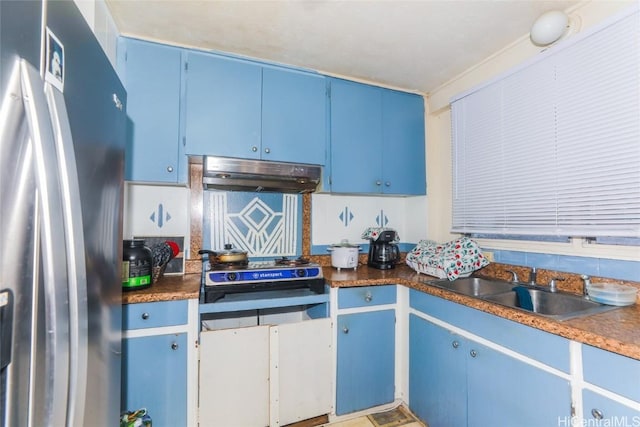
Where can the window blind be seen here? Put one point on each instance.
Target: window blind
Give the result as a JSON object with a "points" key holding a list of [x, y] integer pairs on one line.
{"points": [[553, 149]]}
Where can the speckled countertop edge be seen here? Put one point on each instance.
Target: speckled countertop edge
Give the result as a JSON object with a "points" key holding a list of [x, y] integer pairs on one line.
{"points": [[617, 331]]}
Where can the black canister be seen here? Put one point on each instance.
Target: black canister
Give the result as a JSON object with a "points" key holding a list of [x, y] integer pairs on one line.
{"points": [[137, 263]]}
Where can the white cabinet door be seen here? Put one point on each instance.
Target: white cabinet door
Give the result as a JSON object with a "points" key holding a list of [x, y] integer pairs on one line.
{"points": [[234, 377], [303, 370]]}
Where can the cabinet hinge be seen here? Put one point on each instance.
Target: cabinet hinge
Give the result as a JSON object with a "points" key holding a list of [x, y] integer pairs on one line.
{"points": [[186, 66], [184, 141]]}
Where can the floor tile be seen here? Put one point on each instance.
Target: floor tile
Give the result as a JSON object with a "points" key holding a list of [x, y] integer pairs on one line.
{"points": [[397, 417], [356, 422]]}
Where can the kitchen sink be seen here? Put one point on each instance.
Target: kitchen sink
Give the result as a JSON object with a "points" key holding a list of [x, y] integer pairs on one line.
{"points": [[474, 286], [532, 299], [556, 305]]}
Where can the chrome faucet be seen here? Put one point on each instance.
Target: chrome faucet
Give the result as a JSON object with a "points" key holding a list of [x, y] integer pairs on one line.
{"points": [[553, 286], [514, 278], [533, 274]]}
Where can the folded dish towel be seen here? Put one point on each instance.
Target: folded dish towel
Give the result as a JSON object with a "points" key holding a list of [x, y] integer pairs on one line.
{"points": [[456, 258], [524, 298], [372, 233]]}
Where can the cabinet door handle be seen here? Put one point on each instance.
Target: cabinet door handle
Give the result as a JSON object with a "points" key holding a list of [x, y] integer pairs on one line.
{"points": [[473, 353], [378, 183], [267, 150], [145, 316], [387, 184], [455, 344], [345, 330], [254, 148], [597, 414], [368, 297], [169, 169], [174, 346]]}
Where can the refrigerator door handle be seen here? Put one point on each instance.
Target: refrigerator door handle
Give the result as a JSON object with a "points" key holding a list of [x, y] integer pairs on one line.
{"points": [[74, 238], [51, 236]]}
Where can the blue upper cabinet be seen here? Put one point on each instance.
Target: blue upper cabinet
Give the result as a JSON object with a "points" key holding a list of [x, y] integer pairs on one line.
{"points": [[377, 140], [294, 116], [356, 137], [238, 108], [151, 74], [223, 105], [403, 162], [184, 102]]}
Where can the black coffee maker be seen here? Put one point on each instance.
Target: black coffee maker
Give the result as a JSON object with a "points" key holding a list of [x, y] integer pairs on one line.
{"points": [[383, 253]]}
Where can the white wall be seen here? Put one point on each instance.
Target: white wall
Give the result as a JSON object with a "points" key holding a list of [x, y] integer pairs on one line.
{"points": [[439, 140], [97, 15]]}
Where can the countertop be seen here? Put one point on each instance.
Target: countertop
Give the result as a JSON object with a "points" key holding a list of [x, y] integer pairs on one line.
{"points": [[168, 288], [617, 331]]}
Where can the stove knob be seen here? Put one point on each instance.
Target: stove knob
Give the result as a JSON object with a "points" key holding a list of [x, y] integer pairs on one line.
{"points": [[301, 272], [231, 277]]}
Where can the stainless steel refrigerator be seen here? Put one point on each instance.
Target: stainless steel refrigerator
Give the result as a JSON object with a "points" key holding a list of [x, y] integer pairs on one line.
{"points": [[61, 190]]}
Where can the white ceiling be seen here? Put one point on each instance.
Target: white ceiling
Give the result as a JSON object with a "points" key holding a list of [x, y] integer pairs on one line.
{"points": [[413, 45]]}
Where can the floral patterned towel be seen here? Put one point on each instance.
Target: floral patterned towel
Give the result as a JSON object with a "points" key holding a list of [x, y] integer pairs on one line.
{"points": [[372, 233], [456, 258]]}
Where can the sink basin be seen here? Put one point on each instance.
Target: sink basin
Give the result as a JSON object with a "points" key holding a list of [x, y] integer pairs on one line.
{"points": [[556, 305], [474, 286]]}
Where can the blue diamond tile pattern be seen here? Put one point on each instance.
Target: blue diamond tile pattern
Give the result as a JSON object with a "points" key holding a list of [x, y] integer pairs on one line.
{"points": [[159, 216], [382, 219], [264, 225], [346, 216]]}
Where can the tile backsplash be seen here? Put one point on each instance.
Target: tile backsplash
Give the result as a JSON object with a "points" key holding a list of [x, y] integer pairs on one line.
{"points": [[338, 217], [275, 224], [266, 224], [156, 211], [601, 267]]}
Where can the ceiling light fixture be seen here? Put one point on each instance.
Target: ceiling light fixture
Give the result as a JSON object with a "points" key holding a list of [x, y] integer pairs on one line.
{"points": [[549, 27]]}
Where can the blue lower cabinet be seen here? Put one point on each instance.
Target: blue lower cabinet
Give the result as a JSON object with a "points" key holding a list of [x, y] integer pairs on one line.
{"points": [[154, 376], [366, 296], [437, 374], [503, 391], [600, 411], [614, 372], [366, 360], [454, 381]]}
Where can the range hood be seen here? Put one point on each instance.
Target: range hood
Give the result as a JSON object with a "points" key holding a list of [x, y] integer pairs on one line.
{"points": [[225, 173]]}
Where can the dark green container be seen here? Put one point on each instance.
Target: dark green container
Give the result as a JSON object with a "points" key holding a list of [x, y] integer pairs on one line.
{"points": [[137, 263]]}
